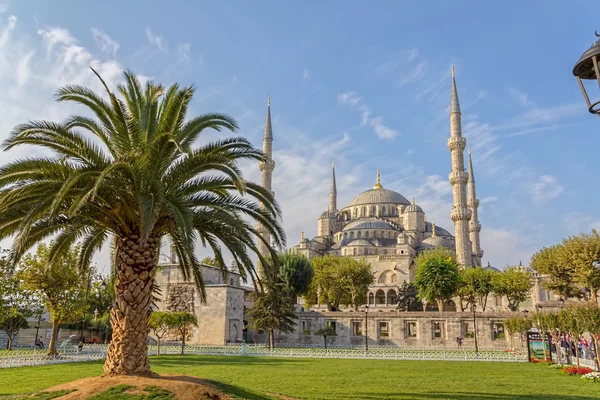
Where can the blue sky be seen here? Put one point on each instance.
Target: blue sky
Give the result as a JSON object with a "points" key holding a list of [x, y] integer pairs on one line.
{"points": [[365, 83]]}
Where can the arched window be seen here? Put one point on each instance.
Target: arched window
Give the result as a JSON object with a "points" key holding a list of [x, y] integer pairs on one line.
{"points": [[394, 278], [371, 298], [354, 251], [358, 234], [380, 297], [391, 297], [351, 235], [373, 211], [367, 234], [383, 210], [231, 282], [364, 212], [345, 235], [382, 278]]}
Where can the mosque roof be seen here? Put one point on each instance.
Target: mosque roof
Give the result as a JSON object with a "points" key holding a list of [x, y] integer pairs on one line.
{"points": [[438, 230], [360, 242], [413, 208], [434, 241], [368, 223], [379, 196]]}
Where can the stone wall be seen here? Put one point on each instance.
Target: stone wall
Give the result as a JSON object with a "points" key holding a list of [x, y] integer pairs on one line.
{"points": [[180, 297], [419, 329]]}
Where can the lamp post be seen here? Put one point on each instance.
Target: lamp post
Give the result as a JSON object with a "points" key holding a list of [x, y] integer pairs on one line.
{"points": [[367, 327], [37, 327], [473, 309], [588, 68]]}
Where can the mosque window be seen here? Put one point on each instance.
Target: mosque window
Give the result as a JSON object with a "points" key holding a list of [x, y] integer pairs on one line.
{"points": [[383, 210], [391, 297], [351, 235], [384, 328], [367, 234], [356, 328], [345, 235], [364, 212], [382, 278], [438, 329], [356, 213], [358, 234], [380, 297], [354, 251], [371, 298], [373, 211], [410, 329]]}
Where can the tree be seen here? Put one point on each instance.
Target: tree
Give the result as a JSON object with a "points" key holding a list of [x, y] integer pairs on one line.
{"points": [[296, 273], [514, 283], [573, 325], [16, 303], [135, 172], [437, 276], [559, 275], [209, 261], [475, 287], [543, 323], [581, 254], [407, 298], [589, 316], [339, 280], [161, 323], [61, 285], [183, 321], [325, 332], [273, 309], [517, 325]]}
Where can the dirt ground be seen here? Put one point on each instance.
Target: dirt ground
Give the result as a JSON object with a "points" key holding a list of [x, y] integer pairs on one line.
{"points": [[182, 386]]}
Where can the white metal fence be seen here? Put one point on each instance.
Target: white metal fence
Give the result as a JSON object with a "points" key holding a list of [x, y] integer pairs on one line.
{"points": [[31, 357]]}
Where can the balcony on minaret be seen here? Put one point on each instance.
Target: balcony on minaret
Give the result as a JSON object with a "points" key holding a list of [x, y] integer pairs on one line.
{"points": [[269, 165], [458, 213], [458, 177], [474, 227], [473, 203], [457, 143]]}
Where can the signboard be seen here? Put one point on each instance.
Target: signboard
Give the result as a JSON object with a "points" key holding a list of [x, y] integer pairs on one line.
{"points": [[535, 347]]}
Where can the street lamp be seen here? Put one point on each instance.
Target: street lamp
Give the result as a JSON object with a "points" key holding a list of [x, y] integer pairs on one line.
{"points": [[588, 68], [473, 309], [367, 327]]}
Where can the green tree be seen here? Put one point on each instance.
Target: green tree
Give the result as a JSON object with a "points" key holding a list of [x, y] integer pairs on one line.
{"points": [[518, 325], [572, 324], [408, 298], [589, 317], [514, 283], [543, 322], [161, 322], [209, 261], [135, 172], [437, 276], [61, 285], [296, 273], [273, 309], [326, 332], [16, 303], [475, 287], [559, 275], [339, 280], [581, 254], [183, 322]]}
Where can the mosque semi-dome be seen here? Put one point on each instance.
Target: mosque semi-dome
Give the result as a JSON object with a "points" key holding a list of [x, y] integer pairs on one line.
{"points": [[433, 242], [368, 224], [379, 196], [360, 242]]}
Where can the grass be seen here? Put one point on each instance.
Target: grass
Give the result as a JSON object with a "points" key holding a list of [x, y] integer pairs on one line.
{"points": [[262, 377], [119, 392]]}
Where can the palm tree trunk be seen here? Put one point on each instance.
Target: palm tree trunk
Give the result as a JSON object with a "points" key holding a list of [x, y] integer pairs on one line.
{"points": [[128, 349], [53, 338]]}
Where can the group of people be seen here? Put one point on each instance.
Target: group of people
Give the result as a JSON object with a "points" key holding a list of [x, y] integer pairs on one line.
{"points": [[570, 347]]}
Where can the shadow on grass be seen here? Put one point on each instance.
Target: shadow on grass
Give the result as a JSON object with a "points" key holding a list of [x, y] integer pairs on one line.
{"points": [[224, 387], [197, 360], [473, 396]]}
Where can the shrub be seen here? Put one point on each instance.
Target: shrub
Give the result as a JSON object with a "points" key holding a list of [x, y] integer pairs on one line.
{"points": [[574, 370]]}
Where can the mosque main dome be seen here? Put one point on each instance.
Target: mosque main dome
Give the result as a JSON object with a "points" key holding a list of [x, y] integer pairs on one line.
{"points": [[379, 196]]}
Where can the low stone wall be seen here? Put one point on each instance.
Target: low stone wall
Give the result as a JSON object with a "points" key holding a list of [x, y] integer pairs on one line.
{"points": [[411, 329]]}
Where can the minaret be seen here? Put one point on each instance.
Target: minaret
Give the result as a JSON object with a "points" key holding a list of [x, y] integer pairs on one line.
{"points": [[460, 212], [266, 170], [474, 225], [333, 191]]}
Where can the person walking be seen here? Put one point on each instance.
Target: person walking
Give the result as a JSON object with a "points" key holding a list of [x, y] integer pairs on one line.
{"points": [[459, 341]]}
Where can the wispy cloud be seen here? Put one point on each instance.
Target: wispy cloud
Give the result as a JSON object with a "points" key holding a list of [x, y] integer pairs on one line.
{"points": [[546, 188], [354, 101], [305, 75], [417, 73], [156, 40], [106, 44], [488, 200], [183, 51], [396, 61]]}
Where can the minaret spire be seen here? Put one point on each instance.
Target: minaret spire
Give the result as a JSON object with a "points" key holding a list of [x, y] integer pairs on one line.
{"points": [[333, 190], [460, 212], [266, 172], [474, 225]]}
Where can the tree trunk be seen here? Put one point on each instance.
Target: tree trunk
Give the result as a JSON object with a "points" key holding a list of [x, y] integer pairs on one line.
{"points": [[440, 303], [577, 354], [182, 340], [128, 349], [271, 339], [597, 356], [53, 338], [9, 343], [325, 340]]}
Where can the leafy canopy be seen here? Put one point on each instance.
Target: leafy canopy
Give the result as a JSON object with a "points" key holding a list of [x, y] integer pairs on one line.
{"points": [[437, 276], [134, 169], [514, 283]]}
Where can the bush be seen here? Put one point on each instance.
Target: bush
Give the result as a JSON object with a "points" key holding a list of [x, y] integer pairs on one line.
{"points": [[574, 370], [592, 377]]}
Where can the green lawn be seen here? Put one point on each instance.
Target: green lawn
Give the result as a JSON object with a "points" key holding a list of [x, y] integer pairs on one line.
{"points": [[257, 377]]}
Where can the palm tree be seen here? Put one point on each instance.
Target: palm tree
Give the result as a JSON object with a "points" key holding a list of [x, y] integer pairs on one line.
{"points": [[134, 173]]}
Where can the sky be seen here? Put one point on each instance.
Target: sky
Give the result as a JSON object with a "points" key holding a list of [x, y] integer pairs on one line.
{"points": [[364, 83]]}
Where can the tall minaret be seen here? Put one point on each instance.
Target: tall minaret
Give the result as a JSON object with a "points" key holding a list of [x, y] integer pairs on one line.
{"points": [[474, 225], [332, 191], [460, 213], [266, 170]]}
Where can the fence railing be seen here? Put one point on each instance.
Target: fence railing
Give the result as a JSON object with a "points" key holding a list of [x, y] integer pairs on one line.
{"points": [[30, 357]]}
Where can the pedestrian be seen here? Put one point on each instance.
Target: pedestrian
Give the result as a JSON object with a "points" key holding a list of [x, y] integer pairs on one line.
{"points": [[459, 341], [80, 346], [38, 343]]}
